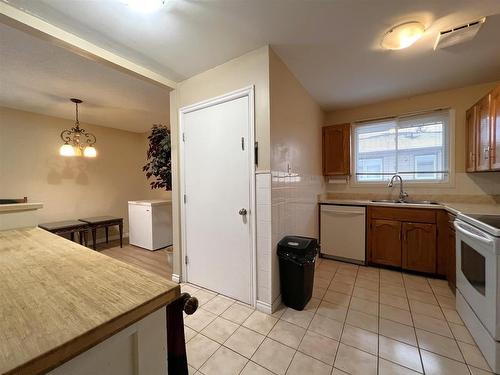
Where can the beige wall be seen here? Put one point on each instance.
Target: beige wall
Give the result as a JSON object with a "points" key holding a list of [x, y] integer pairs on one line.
{"points": [[459, 100], [70, 188], [249, 69], [296, 121]]}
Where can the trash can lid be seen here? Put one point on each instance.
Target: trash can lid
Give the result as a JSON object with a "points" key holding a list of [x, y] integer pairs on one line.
{"points": [[296, 242]]}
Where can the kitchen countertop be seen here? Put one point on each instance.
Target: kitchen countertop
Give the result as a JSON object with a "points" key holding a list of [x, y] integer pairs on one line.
{"points": [[59, 299], [452, 207]]}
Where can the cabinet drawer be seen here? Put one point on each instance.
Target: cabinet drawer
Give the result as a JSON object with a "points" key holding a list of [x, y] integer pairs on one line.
{"points": [[415, 215]]}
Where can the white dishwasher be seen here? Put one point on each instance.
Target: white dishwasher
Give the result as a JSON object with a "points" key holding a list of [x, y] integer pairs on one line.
{"points": [[342, 232]]}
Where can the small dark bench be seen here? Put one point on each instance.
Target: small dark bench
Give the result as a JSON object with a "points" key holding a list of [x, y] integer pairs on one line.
{"points": [[105, 222], [68, 226]]}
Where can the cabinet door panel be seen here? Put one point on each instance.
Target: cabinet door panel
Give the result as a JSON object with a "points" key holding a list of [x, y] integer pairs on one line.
{"points": [[443, 250], [471, 141], [484, 134], [336, 150], [419, 247], [385, 242], [495, 129]]}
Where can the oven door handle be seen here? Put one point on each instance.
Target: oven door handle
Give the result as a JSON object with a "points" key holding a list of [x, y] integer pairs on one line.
{"points": [[463, 229]]}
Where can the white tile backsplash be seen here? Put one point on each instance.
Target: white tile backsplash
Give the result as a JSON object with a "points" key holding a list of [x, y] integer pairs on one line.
{"points": [[264, 236], [294, 211], [287, 204]]}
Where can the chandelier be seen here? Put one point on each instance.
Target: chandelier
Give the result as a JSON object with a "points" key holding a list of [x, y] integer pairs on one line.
{"points": [[77, 141]]}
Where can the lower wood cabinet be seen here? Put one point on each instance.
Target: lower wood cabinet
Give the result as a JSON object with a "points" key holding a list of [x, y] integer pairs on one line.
{"points": [[415, 239], [403, 237], [385, 242], [451, 274], [419, 247], [446, 266]]}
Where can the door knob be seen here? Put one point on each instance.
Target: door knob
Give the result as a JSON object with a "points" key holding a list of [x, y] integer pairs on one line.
{"points": [[242, 212]]}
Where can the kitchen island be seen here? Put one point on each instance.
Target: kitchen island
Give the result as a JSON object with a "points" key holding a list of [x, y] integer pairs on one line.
{"points": [[66, 309]]}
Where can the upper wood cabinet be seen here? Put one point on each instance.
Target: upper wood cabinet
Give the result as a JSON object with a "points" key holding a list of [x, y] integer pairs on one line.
{"points": [[337, 150], [419, 247], [483, 133], [482, 122], [471, 145], [495, 128]]}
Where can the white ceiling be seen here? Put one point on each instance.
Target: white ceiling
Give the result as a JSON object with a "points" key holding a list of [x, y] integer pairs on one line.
{"points": [[40, 77], [332, 46]]}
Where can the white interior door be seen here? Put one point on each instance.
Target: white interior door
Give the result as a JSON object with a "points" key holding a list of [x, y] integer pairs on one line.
{"points": [[217, 186]]}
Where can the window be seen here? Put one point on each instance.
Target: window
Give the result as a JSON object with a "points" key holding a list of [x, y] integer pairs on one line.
{"points": [[371, 169], [425, 163], [416, 147]]}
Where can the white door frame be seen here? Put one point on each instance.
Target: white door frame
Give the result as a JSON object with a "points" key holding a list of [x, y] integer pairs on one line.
{"points": [[244, 92]]}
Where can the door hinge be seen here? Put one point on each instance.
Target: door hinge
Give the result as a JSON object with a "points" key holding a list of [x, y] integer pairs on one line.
{"points": [[243, 143], [183, 137], [185, 198], [186, 259]]}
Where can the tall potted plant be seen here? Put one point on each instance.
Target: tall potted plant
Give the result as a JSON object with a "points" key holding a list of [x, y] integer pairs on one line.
{"points": [[159, 162]]}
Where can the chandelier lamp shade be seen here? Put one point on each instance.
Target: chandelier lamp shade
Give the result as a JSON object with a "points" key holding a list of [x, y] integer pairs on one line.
{"points": [[77, 141]]}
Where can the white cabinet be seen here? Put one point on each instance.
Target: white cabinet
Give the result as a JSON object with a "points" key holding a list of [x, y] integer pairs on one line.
{"points": [[140, 349], [19, 215], [150, 223], [343, 232]]}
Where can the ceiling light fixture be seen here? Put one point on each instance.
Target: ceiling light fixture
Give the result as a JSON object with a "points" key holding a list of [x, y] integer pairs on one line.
{"points": [[144, 6], [403, 35], [74, 137]]}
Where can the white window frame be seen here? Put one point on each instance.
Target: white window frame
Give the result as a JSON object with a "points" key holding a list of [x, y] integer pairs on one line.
{"points": [[449, 183]]}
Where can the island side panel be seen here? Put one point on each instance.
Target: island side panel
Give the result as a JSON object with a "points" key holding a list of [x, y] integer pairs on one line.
{"points": [[140, 349]]}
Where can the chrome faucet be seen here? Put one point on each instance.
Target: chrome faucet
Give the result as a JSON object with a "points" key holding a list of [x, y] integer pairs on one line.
{"points": [[402, 194]]}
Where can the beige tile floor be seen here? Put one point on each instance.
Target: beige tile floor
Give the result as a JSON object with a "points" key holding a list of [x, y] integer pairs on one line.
{"points": [[361, 320]]}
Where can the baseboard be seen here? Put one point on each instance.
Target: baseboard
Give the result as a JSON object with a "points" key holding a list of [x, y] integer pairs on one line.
{"points": [[268, 308], [176, 278], [264, 307]]}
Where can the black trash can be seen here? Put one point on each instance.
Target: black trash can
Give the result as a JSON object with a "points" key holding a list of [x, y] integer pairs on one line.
{"points": [[297, 258]]}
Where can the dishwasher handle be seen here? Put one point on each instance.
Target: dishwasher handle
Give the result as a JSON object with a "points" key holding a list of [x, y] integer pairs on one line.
{"points": [[341, 210], [344, 213]]}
